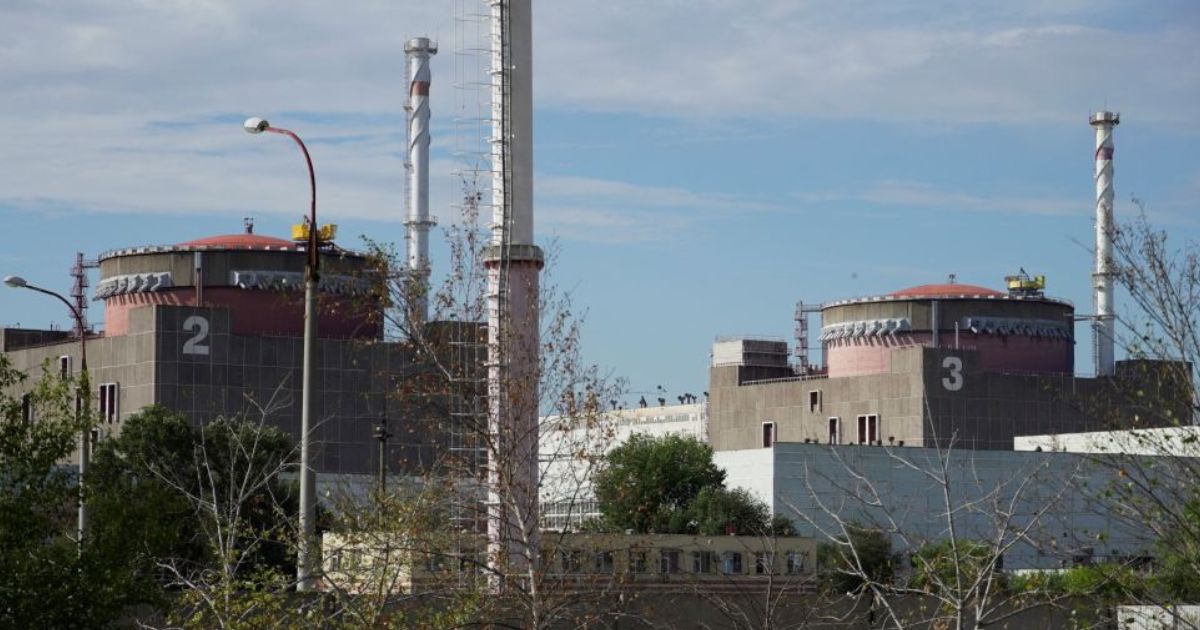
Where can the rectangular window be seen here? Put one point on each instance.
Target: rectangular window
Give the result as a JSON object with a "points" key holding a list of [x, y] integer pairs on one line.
{"points": [[873, 429], [110, 403], [795, 562], [603, 562], [733, 563], [768, 434], [702, 562], [669, 561], [64, 365], [764, 563], [868, 429], [814, 401], [27, 407], [835, 430], [435, 563], [572, 561], [637, 561]]}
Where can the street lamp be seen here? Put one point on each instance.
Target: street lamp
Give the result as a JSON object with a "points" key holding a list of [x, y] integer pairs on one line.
{"points": [[84, 404], [308, 508]]}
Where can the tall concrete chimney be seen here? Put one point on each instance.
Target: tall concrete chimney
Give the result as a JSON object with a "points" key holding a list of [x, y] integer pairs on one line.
{"points": [[1103, 278], [418, 51], [513, 265]]}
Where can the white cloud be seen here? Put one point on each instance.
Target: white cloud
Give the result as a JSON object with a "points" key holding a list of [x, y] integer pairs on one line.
{"points": [[134, 106], [926, 196], [607, 211], [905, 61]]}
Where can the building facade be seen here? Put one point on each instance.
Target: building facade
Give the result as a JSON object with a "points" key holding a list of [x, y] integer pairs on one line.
{"points": [[213, 327], [920, 367]]}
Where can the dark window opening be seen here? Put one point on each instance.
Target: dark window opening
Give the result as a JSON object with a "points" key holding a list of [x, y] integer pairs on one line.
{"points": [[768, 434]]}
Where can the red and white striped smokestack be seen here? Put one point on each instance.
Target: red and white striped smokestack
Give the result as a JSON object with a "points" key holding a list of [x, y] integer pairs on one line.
{"points": [[1104, 329], [513, 264], [418, 51]]}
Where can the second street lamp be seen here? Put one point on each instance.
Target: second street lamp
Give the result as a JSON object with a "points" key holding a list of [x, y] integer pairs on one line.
{"points": [[83, 404], [308, 508]]}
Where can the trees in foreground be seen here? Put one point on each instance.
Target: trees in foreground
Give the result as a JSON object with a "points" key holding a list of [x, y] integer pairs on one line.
{"points": [[194, 523], [46, 579], [670, 485], [205, 513]]}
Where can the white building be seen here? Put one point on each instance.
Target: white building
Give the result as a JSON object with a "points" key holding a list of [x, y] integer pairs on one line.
{"points": [[570, 451], [1170, 441], [1047, 505]]}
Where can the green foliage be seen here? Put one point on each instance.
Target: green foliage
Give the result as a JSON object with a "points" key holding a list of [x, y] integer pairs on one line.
{"points": [[648, 483], [1109, 583], [1178, 572], [717, 511], [783, 526], [161, 487], [670, 485], [943, 565], [849, 562], [262, 599], [137, 518], [44, 582]]}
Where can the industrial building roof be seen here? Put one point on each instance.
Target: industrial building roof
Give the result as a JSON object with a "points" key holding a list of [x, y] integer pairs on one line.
{"points": [[240, 241], [947, 290]]}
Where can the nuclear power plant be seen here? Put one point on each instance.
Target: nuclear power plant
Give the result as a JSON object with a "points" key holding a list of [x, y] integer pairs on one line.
{"points": [[213, 326]]}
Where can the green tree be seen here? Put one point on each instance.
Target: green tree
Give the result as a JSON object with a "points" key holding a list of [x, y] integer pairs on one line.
{"points": [[199, 509], [848, 563], [717, 511], [957, 563], [45, 582], [783, 526], [139, 520], [648, 483]]}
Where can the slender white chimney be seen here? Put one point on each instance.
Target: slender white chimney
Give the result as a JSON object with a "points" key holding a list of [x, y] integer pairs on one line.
{"points": [[1103, 278], [418, 51], [513, 264]]}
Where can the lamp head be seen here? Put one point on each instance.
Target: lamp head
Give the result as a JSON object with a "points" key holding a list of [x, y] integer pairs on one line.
{"points": [[16, 282], [256, 125]]}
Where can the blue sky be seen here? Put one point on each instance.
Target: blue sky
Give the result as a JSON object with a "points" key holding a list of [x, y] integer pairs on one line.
{"points": [[702, 164]]}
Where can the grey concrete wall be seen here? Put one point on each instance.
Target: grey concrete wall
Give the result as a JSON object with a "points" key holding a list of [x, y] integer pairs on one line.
{"points": [[988, 409], [736, 412], [223, 374], [950, 311], [218, 264], [898, 490], [928, 397]]}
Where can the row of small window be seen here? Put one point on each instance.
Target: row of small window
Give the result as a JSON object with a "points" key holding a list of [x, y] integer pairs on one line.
{"points": [[638, 561], [670, 562], [868, 431], [109, 395]]}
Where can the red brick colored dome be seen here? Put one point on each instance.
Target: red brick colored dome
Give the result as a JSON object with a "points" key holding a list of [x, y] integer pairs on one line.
{"points": [[240, 241], [947, 290]]}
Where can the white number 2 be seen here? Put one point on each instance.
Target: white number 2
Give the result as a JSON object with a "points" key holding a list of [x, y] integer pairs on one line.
{"points": [[196, 345], [954, 381]]}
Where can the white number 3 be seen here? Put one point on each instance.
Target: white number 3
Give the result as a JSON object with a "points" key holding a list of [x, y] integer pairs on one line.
{"points": [[954, 381], [196, 345]]}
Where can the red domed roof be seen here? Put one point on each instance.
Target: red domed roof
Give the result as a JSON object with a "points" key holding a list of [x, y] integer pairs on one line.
{"points": [[947, 290], [240, 241]]}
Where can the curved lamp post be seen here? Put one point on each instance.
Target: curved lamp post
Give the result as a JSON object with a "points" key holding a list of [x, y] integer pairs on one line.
{"points": [[308, 508], [84, 408]]}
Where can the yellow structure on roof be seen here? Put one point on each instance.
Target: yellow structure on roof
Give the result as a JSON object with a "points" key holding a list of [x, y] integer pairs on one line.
{"points": [[325, 234], [1024, 284]]}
